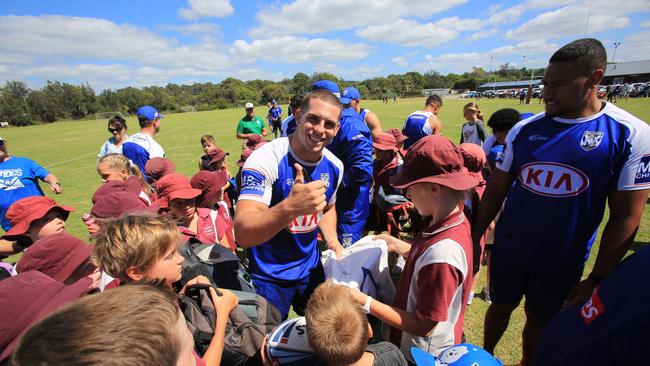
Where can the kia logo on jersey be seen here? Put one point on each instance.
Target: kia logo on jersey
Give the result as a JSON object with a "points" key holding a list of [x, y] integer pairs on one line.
{"points": [[305, 223], [553, 179]]}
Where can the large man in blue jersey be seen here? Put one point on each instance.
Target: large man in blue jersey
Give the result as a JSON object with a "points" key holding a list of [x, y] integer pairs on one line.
{"points": [[559, 169], [353, 146], [288, 192], [423, 123]]}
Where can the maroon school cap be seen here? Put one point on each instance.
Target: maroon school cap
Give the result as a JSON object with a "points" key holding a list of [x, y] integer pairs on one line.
{"points": [[22, 212], [157, 168], [173, 186], [254, 141], [243, 157], [58, 256], [474, 158], [131, 184], [216, 154], [399, 136], [116, 204], [434, 159], [385, 141], [210, 184], [29, 297]]}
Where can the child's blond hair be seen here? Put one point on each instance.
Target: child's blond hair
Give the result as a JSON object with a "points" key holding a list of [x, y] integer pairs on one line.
{"points": [[118, 162], [474, 107], [337, 328], [133, 240]]}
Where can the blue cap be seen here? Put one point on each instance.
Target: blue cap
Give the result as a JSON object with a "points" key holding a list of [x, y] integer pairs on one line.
{"points": [[328, 85], [496, 154], [525, 115], [349, 94], [149, 112], [463, 354], [273, 101]]}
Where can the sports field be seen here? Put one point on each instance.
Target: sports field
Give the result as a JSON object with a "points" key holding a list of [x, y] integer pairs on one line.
{"points": [[69, 150]]}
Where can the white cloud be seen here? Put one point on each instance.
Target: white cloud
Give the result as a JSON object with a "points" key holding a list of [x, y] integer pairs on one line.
{"points": [[499, 15], [486, 33], [320, 16], [293, 49], [206, 9], [410, 33], [645, 24], [400, 61], [192, 28], [634, 47]]}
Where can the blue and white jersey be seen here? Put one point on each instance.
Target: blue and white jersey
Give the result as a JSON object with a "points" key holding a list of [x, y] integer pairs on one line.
{"points": [[140, 147], [564, 170], [18, 179], [288, 126], [363, 114], [608, 329], [267, 177], [416, 127], [275, 112]]}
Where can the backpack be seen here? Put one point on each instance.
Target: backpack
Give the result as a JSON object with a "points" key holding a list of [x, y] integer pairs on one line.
{"points": [[217, 263], [247, 325]]}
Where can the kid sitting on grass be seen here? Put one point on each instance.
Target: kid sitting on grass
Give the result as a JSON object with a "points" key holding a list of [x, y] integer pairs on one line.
{"points": [[338, 331], [136, 324], [142, 247], [431, 298]]}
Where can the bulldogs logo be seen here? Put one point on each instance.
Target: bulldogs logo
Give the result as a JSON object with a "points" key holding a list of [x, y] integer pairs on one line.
{"points": [[591, 139]]}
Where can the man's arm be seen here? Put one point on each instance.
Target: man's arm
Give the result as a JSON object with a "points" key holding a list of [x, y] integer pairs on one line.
{"points": [[373, 123], [55, 186], [240, 131], [435, 124], [625, 211], [495, 193], [327, 226]]}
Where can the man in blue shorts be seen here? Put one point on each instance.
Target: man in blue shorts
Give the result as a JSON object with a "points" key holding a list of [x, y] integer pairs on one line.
{"points": [[288, 193], [559, 169]]}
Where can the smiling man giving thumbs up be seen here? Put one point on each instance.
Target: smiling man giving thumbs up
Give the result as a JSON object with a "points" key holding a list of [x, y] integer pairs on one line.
{"points": [[288, 193]]}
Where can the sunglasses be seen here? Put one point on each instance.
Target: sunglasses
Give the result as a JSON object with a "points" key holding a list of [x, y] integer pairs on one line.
{"points": [[112, 130]]}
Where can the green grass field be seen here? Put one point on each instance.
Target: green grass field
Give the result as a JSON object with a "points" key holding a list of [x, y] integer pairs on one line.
{"points": [[69, 148]]}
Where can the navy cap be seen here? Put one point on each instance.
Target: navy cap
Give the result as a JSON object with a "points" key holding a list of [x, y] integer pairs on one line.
{"points": [[328, 85], [149, 112], [349, 94]]}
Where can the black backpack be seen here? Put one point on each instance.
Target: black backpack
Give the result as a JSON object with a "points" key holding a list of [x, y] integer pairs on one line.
{"points": [[216, 262], [247, 324]]}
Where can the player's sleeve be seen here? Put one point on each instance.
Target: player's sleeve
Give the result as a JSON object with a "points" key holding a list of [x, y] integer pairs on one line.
{"points": [[257, 177], [38, 170], [156, 151], [357, 150], [240, 128], [506, 164], [635, 170], [339, 178], [437, 285]]}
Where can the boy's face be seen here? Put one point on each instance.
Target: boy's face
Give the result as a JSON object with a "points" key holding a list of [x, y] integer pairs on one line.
{"points": [[168, 268], [422, 194], [186, 356], [207, 146], [51, 223], [183, 208]]}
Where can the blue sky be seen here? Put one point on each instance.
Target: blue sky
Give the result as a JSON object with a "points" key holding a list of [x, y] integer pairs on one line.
{"points": [[112, 44]]}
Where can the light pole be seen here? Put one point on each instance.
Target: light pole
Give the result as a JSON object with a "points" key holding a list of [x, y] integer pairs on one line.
{"points": [[521, 73], [494, 83], [616, 44]]}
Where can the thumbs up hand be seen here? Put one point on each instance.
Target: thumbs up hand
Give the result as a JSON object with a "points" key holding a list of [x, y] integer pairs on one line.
{"points": [[306, 198]]}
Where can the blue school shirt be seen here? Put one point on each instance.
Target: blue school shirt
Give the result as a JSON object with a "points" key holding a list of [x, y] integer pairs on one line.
{"points": [[18, 179]]}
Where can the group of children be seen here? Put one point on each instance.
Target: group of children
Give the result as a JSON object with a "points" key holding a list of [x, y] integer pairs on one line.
{"points": [[121, 293]]}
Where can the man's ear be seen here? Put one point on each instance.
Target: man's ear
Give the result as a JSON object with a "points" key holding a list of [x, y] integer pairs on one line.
{"points": [[370, 333], [297, 115], [134, 274], [595, 78]]}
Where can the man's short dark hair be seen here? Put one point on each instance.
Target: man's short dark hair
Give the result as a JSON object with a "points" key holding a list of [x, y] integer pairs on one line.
{"points": [[296, 100], [323, 95], [503, 119], [434, 99], [144, 121], [586, 54]]}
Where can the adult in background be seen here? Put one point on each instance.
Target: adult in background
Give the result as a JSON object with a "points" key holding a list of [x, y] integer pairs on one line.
{"points": [[559, 169], [141, 147], [19, 179], [289, 124], [275, 117], [353, 146], [423, 123], [367, 116], [250, 124], [117, 128], [288, 193]]}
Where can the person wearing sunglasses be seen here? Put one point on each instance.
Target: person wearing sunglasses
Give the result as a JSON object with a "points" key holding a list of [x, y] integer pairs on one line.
{"points": [[117, 128]]}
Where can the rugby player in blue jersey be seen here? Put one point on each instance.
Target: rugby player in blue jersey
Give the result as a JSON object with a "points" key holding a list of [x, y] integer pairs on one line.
{"points": [[288, 193], [559, 170]]}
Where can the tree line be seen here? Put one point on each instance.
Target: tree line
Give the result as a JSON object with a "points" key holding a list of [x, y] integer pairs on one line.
{"points": [[57, 100]]}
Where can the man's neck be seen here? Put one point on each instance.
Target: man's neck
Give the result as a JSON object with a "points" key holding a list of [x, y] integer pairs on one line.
{"points": [[428, 108], [148, 131], [308, 156], [368, 359]]}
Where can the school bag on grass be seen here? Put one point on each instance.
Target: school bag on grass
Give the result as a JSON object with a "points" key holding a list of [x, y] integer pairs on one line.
{"points": [[245, 329], [217, 263]]}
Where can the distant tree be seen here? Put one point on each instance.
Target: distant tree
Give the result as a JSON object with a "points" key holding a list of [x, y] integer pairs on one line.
{"points": [[300, 83]]}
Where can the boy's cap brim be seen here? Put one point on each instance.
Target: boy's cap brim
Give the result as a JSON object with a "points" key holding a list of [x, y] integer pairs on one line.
{"points": [[459, 181]]}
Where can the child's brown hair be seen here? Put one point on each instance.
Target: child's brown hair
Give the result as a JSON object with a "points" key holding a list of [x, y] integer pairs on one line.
{"points": [[128, 325], [207, 138], [133, 240], [337, 328], [474, 107]]}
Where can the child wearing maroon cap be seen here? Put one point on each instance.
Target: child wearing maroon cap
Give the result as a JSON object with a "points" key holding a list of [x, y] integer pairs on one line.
{"points": [[431, 298], [178, 195], [137, 324], [400, 138], [211, 198], [33, 218]]}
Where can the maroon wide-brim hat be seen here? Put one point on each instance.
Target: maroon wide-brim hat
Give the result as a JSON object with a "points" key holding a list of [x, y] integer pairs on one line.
{"points": [[385, 141], [434, 159], [215, 155], [474, 159], [24, 211], [399, 136], [210, 184], [174, 186], [57, 255], [157, 168]]}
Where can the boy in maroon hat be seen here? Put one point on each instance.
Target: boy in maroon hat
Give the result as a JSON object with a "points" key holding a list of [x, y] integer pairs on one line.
{"points": [[156, 168], [33, 218], [28, 297], [212, 194], [400, 139], [430, 302], [253, 142]]}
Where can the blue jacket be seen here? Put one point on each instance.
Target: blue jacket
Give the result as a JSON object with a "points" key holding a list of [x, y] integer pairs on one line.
{"points": [[353, 147]]}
